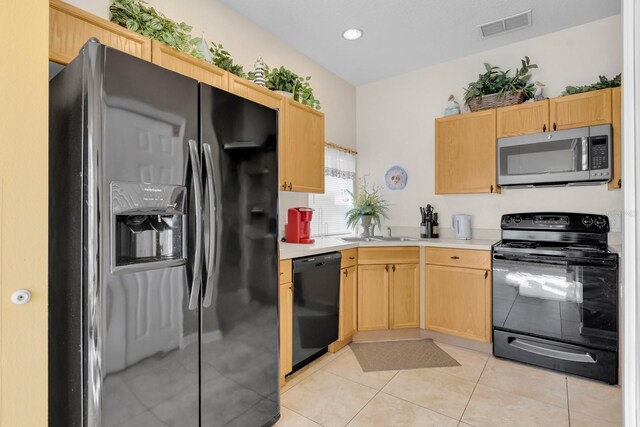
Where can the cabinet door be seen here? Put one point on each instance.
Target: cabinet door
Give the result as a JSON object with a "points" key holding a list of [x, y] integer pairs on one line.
{"points": [[373, 297], [303, 168], [523, 119], [253, 92], [348, 302], [286, 328], [616, 123], [582, 109], [70, 28], [404, 295], [458, 301], [174, 60], [465, 157]]}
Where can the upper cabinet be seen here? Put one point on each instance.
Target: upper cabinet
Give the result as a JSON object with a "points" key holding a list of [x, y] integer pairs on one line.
{"points": [[465, 153], [302, 151], [70, 28], [616, 124], [174, 60], [522, 119], [582, 109]]}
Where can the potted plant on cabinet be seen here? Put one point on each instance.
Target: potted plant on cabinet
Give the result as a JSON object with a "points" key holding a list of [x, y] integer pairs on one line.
{"points": [[368, 207], [495, 88]]}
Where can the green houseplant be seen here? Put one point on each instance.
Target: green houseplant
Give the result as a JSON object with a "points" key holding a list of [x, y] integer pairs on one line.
{"points": [[368, 206], [495, 88], [147, 21], [222, 59], [283, 80], [602, 83]]}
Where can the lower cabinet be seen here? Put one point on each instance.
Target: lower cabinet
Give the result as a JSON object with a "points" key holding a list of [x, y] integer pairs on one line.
{"points": [[404, 291], [388, 293], [348, 303], [373, 297], [285, 310], [458, 297]]}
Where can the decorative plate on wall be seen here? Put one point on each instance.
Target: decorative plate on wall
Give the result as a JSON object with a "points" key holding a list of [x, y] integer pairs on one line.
{"points": [[396, 178]]}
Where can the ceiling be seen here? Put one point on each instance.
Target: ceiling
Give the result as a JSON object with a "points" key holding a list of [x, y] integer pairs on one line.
{"points": [[405, 35]]}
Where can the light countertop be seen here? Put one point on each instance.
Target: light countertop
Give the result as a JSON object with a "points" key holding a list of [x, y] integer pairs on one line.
{"points": [[330, 244]]}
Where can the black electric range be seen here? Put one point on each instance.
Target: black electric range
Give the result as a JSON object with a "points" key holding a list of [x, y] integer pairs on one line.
{"points": [[555, 294]]}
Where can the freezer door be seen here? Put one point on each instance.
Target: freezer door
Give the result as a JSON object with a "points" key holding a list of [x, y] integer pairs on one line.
{"points": [[240, 299], [150, 205]]}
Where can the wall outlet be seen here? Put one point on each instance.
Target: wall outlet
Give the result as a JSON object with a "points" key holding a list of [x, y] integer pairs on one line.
{"points": [[615, 221]]}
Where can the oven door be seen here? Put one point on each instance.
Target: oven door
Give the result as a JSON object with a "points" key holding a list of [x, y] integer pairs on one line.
{"points": [[554, 157], [569, 300]]}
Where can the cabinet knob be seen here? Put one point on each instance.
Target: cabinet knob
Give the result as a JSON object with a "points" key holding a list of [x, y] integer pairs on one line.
{"points": [[554, 126], [491, 188], [284, 186], [21, 296], [455, 257], [352, 257], [486, 274], [386, 268], [290, 186], [393, 268], [544, 127], [620, 183], [346, 273]]}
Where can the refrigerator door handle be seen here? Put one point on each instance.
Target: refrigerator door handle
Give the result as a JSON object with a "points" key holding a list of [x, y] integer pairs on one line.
{"points": [[197, 262], [209, 284]]}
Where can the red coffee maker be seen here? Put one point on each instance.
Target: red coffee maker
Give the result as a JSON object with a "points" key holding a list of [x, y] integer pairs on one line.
{"points": [[298, 226]]}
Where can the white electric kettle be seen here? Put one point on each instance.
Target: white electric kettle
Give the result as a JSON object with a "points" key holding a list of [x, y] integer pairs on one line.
{"points": [[462, 226]]}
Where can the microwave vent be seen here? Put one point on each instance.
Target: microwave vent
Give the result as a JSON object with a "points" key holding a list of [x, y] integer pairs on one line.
{"points": [[505, 25]]}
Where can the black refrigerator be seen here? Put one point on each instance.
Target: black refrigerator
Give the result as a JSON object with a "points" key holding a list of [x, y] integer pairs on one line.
{"points": [[163, 252]]}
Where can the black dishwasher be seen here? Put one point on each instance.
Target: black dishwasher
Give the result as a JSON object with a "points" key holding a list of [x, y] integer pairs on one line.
{"points": [[316, 296]]}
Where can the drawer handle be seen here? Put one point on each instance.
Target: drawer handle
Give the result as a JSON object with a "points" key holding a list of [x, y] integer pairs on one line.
{"points": [[352, 257], [455, 257], [346, 273]]}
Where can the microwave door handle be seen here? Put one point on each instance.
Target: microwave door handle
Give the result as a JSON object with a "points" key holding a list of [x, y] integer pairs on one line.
{"points": [[213, 249], [197, 262], [585, 153]]}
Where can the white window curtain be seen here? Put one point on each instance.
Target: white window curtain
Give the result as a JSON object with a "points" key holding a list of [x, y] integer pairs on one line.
{"points": [[331, 207]]}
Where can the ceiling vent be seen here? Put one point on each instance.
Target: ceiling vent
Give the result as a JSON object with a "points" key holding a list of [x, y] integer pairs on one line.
{"points": [[505, 25]]}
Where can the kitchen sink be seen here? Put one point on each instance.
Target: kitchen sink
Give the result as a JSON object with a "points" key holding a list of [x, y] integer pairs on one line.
{"points": [[361, 239], [397, 239], [379, 239]]}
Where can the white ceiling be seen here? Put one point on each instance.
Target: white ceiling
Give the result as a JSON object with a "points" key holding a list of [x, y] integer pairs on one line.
{"points": [[405, 35]]}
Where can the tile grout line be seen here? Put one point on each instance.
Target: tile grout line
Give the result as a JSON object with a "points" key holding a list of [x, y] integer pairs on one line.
{"points": [[418, 405], [474, 390], [363, 406], [298, 413]]}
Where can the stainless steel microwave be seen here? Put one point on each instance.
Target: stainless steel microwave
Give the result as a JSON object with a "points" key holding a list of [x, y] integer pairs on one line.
{"points": [[567, 157]]}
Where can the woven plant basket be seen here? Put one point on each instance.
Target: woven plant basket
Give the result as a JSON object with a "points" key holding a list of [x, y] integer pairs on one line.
{"points": [[486, 102]]}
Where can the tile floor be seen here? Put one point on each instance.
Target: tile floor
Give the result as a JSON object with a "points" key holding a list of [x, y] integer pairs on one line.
{"points": [[483, 391]]}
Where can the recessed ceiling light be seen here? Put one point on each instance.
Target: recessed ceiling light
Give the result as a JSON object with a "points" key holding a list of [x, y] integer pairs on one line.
{"points": [[352, 34]]}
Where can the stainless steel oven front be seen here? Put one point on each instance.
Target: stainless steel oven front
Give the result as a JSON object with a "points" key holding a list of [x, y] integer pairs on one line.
{"points": [[567, 157]]}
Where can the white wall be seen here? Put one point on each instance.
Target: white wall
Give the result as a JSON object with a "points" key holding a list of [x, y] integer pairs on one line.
{"points": [[395, 122]]}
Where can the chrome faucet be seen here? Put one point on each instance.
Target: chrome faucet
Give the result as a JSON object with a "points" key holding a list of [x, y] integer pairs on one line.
{"points": [[388, 231]]}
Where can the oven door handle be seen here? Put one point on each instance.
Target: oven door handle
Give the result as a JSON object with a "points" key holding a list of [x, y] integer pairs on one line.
{"points": [[541, 350], [557, 260]]}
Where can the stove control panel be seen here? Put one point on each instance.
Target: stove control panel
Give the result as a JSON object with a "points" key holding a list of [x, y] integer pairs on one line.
{"points": [[568, 221]]}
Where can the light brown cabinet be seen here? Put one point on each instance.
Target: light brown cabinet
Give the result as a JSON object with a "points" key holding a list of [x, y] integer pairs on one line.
{"points": [[465, 153], [457, 293], [174, 60], [404, 296], [348, 303], [388, 288], [285, 313], [70, 28], [302, 151], [523, 119], [373, 297], [583, 109], [616, 124]]}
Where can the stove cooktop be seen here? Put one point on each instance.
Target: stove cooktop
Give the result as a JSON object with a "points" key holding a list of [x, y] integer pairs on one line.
{"points": [[573, 250]]}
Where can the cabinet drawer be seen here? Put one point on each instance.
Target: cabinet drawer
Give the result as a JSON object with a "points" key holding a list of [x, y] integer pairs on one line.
{"points": [[389, 255], [285, 271], [468, 258], [349, 258]]}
